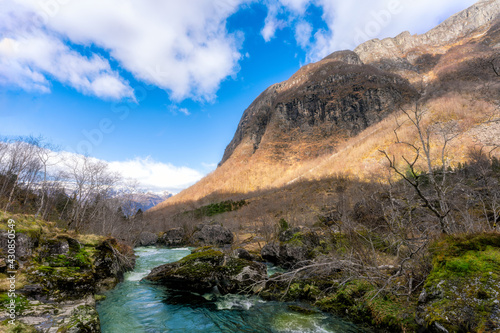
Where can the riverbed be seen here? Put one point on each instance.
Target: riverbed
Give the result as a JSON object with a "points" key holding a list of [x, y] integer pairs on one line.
{"points": [[139, 306]]}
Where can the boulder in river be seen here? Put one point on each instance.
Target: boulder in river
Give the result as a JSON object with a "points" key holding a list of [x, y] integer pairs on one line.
{"points": [[212, 234], [173, 237], [146, 239], [202, 271]]}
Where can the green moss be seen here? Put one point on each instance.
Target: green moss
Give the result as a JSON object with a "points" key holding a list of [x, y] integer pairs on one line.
{"points": [[297, 239], [208, 255], [302, 310], [82, 319], [18, 327], [356, 300], [464, 282], [21, 302]]}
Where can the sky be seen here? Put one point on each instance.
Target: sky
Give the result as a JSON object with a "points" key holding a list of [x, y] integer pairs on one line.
{"points": [[157, 87]]}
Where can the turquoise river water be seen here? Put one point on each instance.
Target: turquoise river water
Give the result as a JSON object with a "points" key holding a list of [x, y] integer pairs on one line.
{"points": [[138, 306]]}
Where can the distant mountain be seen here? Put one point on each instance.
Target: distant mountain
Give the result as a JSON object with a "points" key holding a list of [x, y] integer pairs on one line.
{"points": [[147, 200], [333, 116]]}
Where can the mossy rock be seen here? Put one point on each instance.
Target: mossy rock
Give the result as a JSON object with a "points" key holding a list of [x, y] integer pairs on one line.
{"points": [[204, 270], [83, 319], [18, 327], [302, 310], [462, 292], [359, 301]]}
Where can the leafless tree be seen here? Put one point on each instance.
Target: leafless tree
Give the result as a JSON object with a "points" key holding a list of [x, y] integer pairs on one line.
{"points": [[436, 171], [92, 183]]}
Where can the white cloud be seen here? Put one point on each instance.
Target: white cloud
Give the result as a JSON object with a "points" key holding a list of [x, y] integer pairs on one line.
{"points": [[151, 175], [272, 23], [155, 175], [303, 31], [349, 23], [174, 109], [26, 61], [209, 166], [180, 46]]}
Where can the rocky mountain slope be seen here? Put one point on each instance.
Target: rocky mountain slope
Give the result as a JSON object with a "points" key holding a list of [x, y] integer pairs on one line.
{"points": [[332, 117]]}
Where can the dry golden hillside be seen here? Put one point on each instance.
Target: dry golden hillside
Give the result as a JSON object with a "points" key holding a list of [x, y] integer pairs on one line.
{"points": [[346, 117]]}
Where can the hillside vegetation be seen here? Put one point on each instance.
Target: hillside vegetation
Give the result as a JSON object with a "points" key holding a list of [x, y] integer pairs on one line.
{"points": [[373, 176]]}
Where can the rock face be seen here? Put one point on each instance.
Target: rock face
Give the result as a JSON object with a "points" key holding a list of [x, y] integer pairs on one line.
{"points": [[60, 276], [458, 26], [173, 237], [212, 234], [348, 91], [24, 245], [296, 245], [325, 101], [202, 271]]}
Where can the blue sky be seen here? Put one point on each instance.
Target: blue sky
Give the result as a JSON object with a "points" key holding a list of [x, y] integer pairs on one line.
{"points": [[158, 87]]}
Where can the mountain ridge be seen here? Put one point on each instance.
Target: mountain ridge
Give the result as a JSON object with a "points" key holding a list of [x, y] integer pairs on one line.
{"points": [[344, 100]]}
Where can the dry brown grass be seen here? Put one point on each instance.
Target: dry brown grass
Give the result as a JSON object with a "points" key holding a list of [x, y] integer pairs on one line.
{"points": [[298, 189]]}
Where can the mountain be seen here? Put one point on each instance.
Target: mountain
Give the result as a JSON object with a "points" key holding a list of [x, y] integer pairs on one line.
{"points": [[333, 117], [146, 200]]}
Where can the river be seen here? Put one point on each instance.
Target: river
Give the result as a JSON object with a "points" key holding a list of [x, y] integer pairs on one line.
{"points": [[136, 306]]}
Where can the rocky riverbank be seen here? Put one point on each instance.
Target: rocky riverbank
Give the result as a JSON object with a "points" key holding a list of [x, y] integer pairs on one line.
{"points": [[458, 291], [59, 277]]}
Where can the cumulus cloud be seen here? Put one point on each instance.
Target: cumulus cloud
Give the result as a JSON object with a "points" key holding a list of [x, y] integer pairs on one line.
{"points": [[157, 176], [150, 175], [182, 47], [26, 60]]}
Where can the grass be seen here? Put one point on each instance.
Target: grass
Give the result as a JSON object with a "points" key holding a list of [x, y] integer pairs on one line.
{"points": [[296, 188]]}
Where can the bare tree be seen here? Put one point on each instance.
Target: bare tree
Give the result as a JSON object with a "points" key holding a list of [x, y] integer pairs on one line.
{"points": [[92, 183], [436, 171]]}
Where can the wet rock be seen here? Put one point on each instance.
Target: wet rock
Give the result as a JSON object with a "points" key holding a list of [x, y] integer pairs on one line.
{"points": [[202, 271], [242, 275], [146, 239], [173, 237], [270, 252], [111, 262], [212, 234], [196, 272]]}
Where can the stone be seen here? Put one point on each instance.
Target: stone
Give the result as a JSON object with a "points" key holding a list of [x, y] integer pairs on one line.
{"points": [[83, 319], [295, 247], [146, 239], [24, 245], [202, 271], [270, 252], [111, 263], [242, 254], [173, 237], [213, 234]]}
